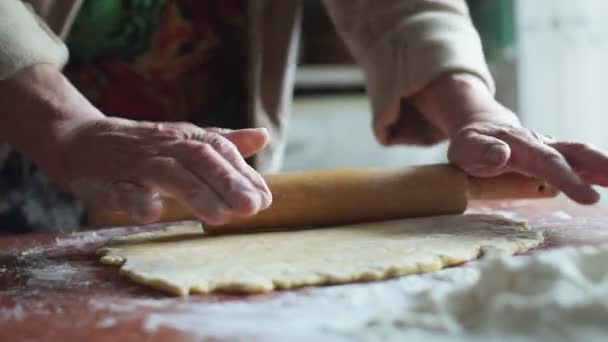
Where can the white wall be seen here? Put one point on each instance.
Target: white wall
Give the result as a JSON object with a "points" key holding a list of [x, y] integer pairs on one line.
{"points": [[563, 68], [335, 132], [562, 71]]}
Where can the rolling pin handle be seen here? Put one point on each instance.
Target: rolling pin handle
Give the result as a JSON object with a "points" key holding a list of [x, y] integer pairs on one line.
{"points": [[510, 186]]}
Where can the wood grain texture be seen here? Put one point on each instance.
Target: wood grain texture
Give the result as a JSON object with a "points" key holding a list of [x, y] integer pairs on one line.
{"points": [[323, 198]]}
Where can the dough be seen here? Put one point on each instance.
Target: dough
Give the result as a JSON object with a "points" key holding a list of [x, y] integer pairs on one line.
{"points": [[189, 261]]}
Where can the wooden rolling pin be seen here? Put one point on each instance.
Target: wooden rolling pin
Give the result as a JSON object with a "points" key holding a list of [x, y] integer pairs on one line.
{"points": [[323, 198]]}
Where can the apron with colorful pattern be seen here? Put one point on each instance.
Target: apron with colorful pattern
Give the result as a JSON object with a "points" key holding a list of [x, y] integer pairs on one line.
{"points": [[155, 60]]}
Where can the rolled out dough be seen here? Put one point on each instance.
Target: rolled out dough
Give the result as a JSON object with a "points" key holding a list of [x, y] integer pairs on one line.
{"points": [[183, 260]]}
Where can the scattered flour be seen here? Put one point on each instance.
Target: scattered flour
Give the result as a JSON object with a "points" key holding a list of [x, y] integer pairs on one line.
{"points": [[79, 239], [327, 313], [127, 306], [43, 274], [559, 295], [107, 322], [504, 213], [562, 215], [32, 252], [16, 312]]}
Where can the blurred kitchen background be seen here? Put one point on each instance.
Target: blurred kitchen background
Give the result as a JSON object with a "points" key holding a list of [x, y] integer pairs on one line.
{"points": [[547, 57]]}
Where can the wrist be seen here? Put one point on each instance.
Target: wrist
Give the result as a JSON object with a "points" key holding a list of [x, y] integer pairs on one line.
{"points": [[40, 109], [454, 101]]}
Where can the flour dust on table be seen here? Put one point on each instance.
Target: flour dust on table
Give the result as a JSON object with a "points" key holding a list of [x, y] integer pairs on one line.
{"points": [[558, 295]]}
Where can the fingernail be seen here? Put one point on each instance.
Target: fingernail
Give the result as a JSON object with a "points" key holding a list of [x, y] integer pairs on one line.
{"points": [[146, 211], [266, 199], [261, 129], [221, 215], [495, 154], [594, 196], [200, 202], [257, 201]]}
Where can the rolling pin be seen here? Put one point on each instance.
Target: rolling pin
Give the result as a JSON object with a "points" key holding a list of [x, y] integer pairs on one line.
{"points": [[322, 198]]}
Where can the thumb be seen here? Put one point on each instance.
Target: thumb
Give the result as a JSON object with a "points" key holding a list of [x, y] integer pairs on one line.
{"points": [[249, 141], [478, 154]]}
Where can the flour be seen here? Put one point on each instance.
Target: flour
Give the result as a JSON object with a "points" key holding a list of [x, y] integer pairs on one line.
{"points": [[120, 311], [128, 306], [559, 295], [106, 322], [323, 314], [562, 215], [16, 312], [512, 215], [36, 251], [79, 239], [45, 274]]}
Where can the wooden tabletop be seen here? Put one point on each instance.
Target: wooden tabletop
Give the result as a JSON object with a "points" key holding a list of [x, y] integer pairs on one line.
{"points": [[53, 289]]}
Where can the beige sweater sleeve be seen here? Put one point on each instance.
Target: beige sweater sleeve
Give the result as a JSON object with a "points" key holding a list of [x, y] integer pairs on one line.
{"points": [[402, 45], [25, 40]]}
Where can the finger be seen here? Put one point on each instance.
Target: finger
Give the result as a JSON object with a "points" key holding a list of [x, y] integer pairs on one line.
{"points": [[230, 153], [208, 165], [589, 163], [248, 141], [478, 154], [232, 145], [188, 189], [545, 162]]}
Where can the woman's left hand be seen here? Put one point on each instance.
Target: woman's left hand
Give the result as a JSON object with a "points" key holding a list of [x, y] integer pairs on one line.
{"points": [[487, 140], [486, 149]]}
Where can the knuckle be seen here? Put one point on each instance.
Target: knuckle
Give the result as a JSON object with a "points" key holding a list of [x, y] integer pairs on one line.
{"points": [[550, 158], [537, 136], [203, 150], [194, 195], [507, 132], [230, 182], [213, 138], [578, 146], [466, 135], [220, 143], [101, 125], [165, 164], [168, 132]]}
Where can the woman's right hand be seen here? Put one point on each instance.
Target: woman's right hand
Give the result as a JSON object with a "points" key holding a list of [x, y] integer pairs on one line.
{"points": [[119, 164], [122, 164]]}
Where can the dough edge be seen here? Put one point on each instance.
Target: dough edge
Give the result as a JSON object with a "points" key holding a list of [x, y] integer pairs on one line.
{"points": [[109, 256]]}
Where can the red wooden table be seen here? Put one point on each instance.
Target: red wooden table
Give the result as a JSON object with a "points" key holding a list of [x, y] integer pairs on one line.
{"points": [[53, 289]]}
